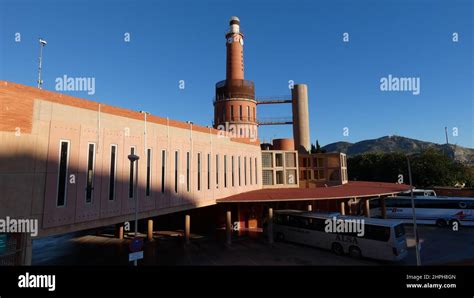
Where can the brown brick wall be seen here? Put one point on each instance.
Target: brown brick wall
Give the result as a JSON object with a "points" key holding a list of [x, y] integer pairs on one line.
{"points": [[16, 109], [15, 112]]}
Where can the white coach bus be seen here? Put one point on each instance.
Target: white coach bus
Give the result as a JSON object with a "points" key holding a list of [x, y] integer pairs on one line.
{"points": [[381, 239], [441, 211]]}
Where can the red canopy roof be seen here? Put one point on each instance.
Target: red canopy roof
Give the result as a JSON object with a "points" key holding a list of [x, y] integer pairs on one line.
{"points": [[353, 189]]}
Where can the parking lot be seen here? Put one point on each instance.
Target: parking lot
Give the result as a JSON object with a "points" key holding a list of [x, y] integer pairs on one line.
{"points": [[439, 246]]}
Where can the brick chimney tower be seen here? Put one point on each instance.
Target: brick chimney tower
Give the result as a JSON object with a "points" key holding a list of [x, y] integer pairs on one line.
{"points": [[235, 51], [235, 107]]}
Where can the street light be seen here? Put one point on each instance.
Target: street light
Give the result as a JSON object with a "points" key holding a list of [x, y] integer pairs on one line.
{"points": [[415, 230], [145, 132], [42, 44], [134, 158]]}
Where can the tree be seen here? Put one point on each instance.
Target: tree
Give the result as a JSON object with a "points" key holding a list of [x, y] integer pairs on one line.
{"points": [[317, 148], [430, 168]]}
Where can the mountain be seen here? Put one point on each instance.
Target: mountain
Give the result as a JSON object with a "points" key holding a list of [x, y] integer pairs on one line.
{"points": [[400, 144]]}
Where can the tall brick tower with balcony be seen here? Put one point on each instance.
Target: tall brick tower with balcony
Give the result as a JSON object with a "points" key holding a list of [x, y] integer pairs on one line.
{"points": [[235, 107]]}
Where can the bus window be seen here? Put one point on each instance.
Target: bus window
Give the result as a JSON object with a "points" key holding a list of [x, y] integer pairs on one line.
{"points": [[292, 221], [277, 219], [469, 205], [378, 233], [374, 203], [303, 222], [318, 224], [399, 231], [282, 219], [398, 202], [299, 222]]}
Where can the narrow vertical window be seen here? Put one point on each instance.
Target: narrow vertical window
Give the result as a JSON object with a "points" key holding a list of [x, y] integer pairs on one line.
{"points": [[239, 173], [163, 170], [240, 112], [225, 170], [90, 172], [187, 171], [62, 173], [208, 171], [132, 172], [217, 171], [232, 113], [256, 171], [199, 171], [176, 164], [233, 170], [245, 170], [148, 172], [251, 170], [112, 171]]}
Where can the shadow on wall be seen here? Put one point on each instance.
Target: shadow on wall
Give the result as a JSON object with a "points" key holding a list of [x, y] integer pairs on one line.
{"points": [[67, 196]]}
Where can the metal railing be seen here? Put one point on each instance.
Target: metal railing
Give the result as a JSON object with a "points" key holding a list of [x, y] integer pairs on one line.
{"points": [[230, 96], [274, 99], [237, 119], [275, 120], [235, 83]]}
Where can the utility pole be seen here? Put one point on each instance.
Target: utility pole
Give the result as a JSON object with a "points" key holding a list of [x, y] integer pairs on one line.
{"points": [[42, 44], [415, 230], [134, 158]]}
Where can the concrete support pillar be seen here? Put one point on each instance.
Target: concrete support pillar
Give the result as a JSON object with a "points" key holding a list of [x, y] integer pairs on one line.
{"points": [[119, 231], [310, 207], [383, 208], [228, 227], [343, 208], [366, 207], [187, 228], [150, 230], [27, 253], [270, 225]]}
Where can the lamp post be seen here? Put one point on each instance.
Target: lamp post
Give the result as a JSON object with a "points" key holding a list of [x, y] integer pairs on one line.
{"points": [[415, 230], [42, 44], [134, 158]]}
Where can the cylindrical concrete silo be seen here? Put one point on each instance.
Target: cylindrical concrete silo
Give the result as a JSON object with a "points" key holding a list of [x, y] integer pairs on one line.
{"points": [[283, 144], [301, 137]]}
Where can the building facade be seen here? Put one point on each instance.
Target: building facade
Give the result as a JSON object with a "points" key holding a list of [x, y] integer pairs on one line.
{"points": [[323, 169], [64, 162]]}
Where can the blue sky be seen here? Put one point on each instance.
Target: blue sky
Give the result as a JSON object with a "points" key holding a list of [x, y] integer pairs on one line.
{"points": [[284, 40]]}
